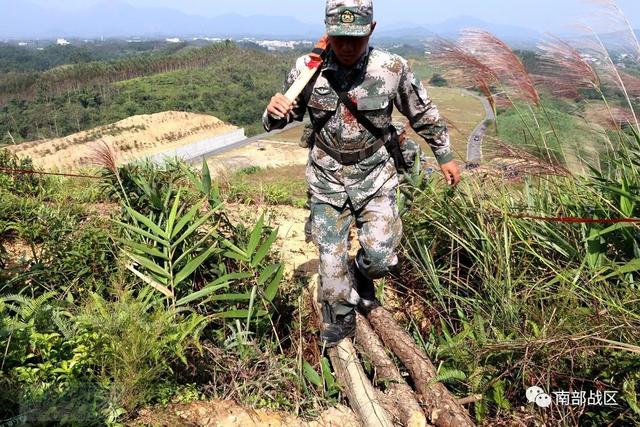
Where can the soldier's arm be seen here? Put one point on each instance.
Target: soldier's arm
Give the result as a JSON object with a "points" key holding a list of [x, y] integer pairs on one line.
{"points": [[425, 119], [270, 122]]}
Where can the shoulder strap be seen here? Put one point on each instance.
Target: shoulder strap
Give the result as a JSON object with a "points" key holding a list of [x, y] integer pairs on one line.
{"points": [[388, 135]]}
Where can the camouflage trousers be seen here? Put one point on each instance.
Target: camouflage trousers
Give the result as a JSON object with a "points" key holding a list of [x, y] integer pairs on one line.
{"points": [[379, 233]]}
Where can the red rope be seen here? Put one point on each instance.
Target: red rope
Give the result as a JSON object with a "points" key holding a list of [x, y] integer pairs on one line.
{"points": [[575, 220], [30, 172], [571, 220]]}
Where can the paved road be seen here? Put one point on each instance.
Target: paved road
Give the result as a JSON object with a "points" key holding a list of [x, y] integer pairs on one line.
{"points": [[474, 146], [244, 142]]}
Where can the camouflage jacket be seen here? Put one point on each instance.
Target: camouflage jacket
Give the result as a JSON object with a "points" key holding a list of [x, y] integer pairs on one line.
{"points": [[387, 80]]}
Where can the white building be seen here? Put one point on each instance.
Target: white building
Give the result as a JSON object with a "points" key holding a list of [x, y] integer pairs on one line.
{"points": [[62, 42], [280, 44], [174, 40]]}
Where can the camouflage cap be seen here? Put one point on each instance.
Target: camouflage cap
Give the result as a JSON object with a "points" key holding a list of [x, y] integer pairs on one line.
{"points": [[349, 17]]}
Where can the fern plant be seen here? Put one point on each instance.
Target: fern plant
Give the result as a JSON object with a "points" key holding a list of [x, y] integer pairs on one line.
{"points": [[25, 309], [166, 251]]}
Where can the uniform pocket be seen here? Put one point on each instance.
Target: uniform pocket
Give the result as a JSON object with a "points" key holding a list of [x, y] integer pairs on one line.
{"points": [[320, 100], [370, 103], [376, 109]]}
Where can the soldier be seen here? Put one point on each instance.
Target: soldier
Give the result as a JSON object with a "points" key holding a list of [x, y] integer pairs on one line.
{"points": [[351, 173], [410, 151]]}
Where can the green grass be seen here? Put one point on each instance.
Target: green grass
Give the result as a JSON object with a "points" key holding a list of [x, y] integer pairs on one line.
{"points": [[515, 302], [577, 141], [461, 109], [423, 67]]}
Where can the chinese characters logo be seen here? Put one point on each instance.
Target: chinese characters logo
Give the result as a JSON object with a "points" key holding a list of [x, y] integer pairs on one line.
{"points": [[538, 396]]}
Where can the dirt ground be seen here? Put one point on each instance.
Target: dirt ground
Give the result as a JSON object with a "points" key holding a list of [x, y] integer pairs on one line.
{"points": [[229, 414], [132, 138], [300, 258], [263, 154]]}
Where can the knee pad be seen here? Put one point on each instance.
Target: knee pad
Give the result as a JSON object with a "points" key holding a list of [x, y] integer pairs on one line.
{"points": [[373, 269]]}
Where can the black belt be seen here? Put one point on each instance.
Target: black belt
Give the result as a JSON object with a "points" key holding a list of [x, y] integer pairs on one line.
{"points": [[350, 157]]}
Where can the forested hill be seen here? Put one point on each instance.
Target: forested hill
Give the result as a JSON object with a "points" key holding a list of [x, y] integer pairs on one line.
{"points": [[44, 56], [223, 79]]}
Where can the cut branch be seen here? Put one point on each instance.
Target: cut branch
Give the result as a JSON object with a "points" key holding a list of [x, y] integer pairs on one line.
{"points": [[356, 386], [442, 408], [399, 399]]}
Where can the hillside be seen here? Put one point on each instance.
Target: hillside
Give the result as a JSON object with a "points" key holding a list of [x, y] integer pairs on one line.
{"points": [[186, 294], [132, 138], [223, 80]]}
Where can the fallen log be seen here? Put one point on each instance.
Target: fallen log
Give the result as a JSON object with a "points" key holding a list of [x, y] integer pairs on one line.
{"points": [[442, 408], [399, 400], [355, 385]]}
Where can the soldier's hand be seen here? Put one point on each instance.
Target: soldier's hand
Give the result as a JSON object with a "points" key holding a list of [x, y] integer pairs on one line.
{"points": [[451, 173], [280, 106]]}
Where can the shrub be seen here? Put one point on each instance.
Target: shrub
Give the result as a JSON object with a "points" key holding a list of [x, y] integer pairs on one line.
{"points": [[20, 183], [516, 301], [141, 342], [438, 81], [68, 252], [249, 170], [86, 366]]}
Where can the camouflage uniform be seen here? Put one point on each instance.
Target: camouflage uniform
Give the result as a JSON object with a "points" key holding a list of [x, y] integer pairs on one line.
{"points": [[365, 191], [411, 151]]}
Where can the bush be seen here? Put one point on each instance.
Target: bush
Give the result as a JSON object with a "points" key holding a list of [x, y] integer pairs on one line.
{"points": [[438, 81], [92, 365], [514, 301], [141, 342], [68, 252], [19, 183]]}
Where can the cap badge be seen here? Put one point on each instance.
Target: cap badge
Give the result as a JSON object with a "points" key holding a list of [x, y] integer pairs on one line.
{"points": [[347, 17]]}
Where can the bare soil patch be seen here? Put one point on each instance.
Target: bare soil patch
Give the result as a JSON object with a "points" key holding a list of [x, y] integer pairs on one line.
{"points": [[19, 253], [229, 414], [263, 154], [132, 138], [300, 258]]}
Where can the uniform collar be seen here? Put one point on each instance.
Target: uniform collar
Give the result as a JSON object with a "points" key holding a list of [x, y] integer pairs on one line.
{"points": [[332, 62]]}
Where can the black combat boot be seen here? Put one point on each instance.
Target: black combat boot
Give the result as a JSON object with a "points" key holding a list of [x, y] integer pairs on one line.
{"points": [[366, 289], [337, 326]]}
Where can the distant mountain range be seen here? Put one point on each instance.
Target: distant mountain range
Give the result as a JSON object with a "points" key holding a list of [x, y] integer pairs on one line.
{"points": [[23, 20], [115, 18], [451, 27]]}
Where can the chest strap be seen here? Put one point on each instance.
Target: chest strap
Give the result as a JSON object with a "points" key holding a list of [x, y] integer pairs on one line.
{"points": [[341, 156], [387, 137]]}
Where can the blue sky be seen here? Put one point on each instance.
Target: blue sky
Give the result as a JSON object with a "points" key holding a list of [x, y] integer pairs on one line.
{"points": [[542, 15]]}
